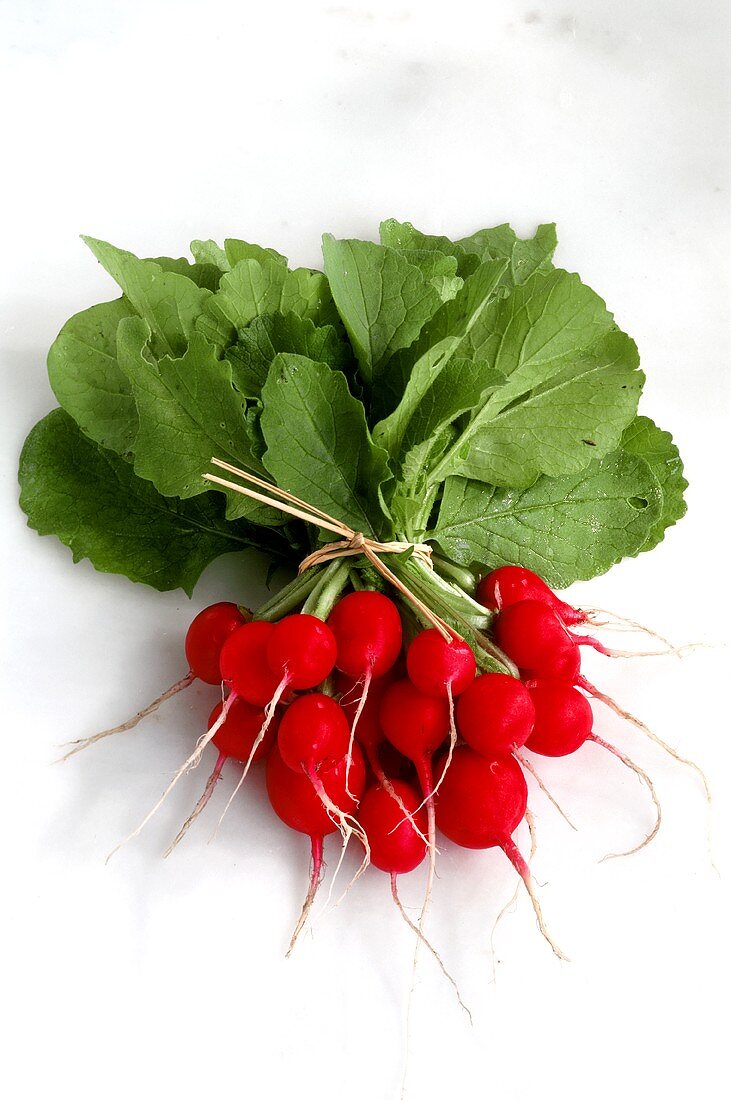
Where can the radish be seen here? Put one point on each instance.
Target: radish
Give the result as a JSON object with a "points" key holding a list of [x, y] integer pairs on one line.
{"points": [[563, 723], [313, 734], [295, 801], [512, 584], [203, 643], [537, 640], [480, 804], [244, 668], [301, 652], [417, 724], [443, 669], [367, 630], [495, 714], [236, 739]]}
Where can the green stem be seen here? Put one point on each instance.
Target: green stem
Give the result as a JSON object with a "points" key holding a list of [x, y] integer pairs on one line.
{"points": [[289, 597], [465, 578], [323, 598]]}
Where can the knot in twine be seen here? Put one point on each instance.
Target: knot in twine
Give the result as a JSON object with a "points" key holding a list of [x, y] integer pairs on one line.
{"points": [[351, 543]]}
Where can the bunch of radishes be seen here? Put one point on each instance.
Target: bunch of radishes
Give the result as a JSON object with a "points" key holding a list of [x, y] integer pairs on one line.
{"points": [[385, 732]]}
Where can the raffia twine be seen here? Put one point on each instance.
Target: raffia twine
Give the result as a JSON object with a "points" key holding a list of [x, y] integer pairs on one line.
{"points": [[351, 543]]}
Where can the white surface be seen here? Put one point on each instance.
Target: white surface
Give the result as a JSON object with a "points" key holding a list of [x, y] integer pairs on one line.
{"points": [[152, 123]]}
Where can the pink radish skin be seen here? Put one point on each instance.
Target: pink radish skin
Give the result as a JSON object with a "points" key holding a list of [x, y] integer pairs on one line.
{"points": [[512, 584], [438, 667], [480, 805], [367, 630], [301, 651], [206, 637], [396, 846], [295, 802], [495, 715], [313, 734], [244, 667], [563, 718], [534, 637]]}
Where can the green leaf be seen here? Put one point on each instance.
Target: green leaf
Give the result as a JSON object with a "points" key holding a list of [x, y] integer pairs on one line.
{"points": [[410, 373], [87, 379], [440, 271], [241, 250], [382, 299], [255, 287], [262, 340], [188, 412], [208, 252], [206, 275], [524, 257], [571, 385], [645, 439], [565, 529], [93, 502], [318, 444], [406, 239], [167, 301]]}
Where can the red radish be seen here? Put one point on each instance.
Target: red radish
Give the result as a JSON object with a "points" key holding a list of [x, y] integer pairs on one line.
{"points": [[443, 669], [301, 651], [512, 584], [563, 718], [206, 637], [295, 802], [236, 739], [313, 734], [417, 724], [563, 723], [368, 634], [367, 629], [495, 714], [534, 637], [243, 664], [480, 804], [438, 667], [396, 846], [203, 643], [369, 733]]}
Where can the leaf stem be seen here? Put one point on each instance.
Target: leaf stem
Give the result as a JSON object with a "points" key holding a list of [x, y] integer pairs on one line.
{"points": [[289, 597]]}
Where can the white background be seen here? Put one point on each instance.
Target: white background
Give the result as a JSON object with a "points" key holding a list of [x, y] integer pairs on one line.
{"points": [[152, 123]]}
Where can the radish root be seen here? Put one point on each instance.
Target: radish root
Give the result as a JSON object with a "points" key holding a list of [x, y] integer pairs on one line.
{"points": [[415, 929], [356, 720], [513, 854], [389, 788], [595, 693], [201, 804], [315, 876], [526, 763], [644, 778], [531, 822], [84, 742], [192, 762]]}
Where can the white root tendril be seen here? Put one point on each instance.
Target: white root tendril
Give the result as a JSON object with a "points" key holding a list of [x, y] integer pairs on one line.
{"points": [[450, 753], [595, 693], [201, 804], [527, 764], [354, 726], [84, 742], [415, 929], [510, 903], [644, 778], [269, 711], [192, 762]]}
